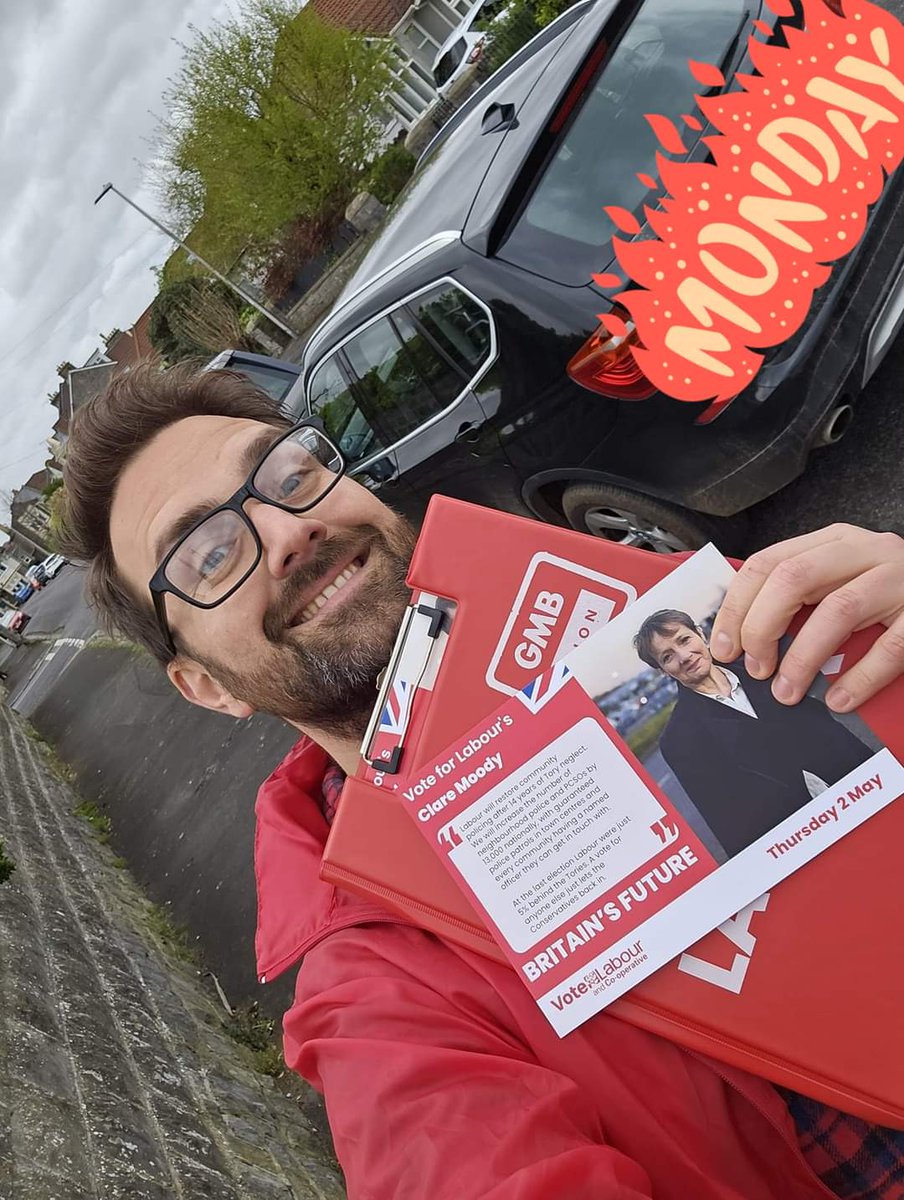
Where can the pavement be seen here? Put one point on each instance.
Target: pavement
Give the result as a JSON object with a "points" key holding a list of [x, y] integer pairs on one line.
{"points": [[117, 1076], [179, 783]]}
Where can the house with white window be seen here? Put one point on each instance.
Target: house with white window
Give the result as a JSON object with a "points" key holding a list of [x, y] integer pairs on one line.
{"points": [[417, 31]]}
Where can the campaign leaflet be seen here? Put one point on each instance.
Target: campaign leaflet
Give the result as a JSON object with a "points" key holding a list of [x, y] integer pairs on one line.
{"points": [[638, 794]]}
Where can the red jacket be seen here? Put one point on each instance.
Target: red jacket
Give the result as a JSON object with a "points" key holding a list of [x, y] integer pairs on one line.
{"points": [[444, 1082]]}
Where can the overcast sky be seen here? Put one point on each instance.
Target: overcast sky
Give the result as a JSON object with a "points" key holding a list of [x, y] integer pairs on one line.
{"points": [[82, 82]]}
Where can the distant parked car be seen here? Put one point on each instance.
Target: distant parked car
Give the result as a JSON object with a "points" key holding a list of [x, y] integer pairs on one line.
{"points": [[36, 577], [465, 46], [271, 375], [52, 566], [24, 591], [468, 341], [15, 620]]}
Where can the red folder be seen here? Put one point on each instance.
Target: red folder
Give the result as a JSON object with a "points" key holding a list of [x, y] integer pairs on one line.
{"points": [[805, 987]]}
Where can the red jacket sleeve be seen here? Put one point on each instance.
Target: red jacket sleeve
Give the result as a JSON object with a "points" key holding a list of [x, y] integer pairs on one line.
{"points": [[430, 1095]]}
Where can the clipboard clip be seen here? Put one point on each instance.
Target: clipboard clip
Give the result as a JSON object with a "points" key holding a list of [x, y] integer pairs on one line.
{"points": [[417, 646]]}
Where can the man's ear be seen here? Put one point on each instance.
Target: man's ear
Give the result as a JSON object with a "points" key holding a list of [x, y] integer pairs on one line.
{"points": [[199, 687]]}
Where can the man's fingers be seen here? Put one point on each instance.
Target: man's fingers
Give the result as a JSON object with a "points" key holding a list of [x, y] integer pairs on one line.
{"points": [[880, 666], [749, 582], [805, 578], [854, 605]]}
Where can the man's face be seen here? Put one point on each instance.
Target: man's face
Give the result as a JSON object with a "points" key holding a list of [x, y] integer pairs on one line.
{"points": [[307, 634], [683, 654]]}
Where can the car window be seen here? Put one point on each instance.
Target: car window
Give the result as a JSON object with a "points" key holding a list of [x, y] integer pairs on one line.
{"points": [[404, 379], [562, 230], [271, 380], [334, 403], [456, 323], [445, 68]]}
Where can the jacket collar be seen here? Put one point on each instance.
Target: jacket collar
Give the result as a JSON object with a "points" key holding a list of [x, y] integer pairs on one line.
{"points": [[295, 907], [292, 901]]}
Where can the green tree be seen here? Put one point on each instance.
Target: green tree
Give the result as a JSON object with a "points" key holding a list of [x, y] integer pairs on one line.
{"points": [[274, 114], [195, 316], [57, 505]]}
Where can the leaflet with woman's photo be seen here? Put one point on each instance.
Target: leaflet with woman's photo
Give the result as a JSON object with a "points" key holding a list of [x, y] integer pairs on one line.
{"points": [[639, 793]]}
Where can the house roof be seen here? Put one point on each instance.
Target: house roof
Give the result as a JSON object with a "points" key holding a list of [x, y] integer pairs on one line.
{"points": [[83, 384], [38, 481], [363, 16], [127, 348]]}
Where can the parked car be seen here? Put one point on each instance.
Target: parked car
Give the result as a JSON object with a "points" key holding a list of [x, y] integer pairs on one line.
{"points": [[465, 46], [272, 375], [23, 592], [36, 577], [445, 363], [52, 566], [14, 620]]}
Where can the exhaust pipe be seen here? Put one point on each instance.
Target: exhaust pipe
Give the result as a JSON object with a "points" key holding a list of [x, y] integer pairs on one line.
{"points": [[835, 426]]}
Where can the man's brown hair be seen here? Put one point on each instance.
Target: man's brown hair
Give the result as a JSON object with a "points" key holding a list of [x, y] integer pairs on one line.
{"points": [[106, 434]]}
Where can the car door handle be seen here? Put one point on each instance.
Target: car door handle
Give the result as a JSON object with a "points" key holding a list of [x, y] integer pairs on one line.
{"points": [[468, 434]]}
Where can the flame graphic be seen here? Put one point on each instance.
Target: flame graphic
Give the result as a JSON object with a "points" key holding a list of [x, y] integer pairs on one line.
{"points": [[742, 242]]}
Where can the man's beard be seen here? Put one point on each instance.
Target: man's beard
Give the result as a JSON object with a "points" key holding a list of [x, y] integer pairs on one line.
{"points": [[324, 677]]}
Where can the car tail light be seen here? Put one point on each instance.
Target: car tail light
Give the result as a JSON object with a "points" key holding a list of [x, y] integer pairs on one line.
{"points": [[605, 363]]}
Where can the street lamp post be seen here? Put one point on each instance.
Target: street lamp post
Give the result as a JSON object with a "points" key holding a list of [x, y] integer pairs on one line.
{"points": [[108, 187]]}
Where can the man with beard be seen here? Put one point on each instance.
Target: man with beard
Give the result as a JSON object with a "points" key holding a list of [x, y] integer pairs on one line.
{"points": [[262, 578], [746, 761]]}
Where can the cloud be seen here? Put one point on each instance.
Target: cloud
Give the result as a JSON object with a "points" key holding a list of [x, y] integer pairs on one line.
{"points": [[82, 83]]}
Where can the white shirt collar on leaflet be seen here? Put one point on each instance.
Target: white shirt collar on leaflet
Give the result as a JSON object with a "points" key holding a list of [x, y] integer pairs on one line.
{"points": [[736, 698]]}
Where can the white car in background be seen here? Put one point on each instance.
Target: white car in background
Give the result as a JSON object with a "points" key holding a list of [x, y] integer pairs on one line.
{"points": [[464, 48], [52, 566]]}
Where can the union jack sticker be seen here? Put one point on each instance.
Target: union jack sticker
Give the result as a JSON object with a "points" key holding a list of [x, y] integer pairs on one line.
{"points": [[542, 689], [387, 740]]}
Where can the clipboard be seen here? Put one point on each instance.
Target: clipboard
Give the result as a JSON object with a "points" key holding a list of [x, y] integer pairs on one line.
{"points": [[803, 987]]}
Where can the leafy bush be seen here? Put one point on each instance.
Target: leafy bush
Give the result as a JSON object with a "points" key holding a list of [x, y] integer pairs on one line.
{"points": [[390, 173], [521, 21]]}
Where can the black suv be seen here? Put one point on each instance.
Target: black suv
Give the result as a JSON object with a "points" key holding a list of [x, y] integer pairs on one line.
{"points": [[452, 362]]}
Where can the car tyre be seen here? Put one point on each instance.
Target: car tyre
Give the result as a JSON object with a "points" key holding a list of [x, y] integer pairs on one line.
{"points": [[633, 519]]}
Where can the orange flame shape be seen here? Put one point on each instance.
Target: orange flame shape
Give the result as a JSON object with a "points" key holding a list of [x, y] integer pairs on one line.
{"points": [[742, 242]]}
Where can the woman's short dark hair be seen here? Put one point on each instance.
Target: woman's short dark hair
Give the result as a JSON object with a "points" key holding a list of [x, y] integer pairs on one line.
{"points": [[659, 624], [106, 434]]}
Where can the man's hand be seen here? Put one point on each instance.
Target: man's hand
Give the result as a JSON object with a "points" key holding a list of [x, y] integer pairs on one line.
{"points": [[854, 577]]}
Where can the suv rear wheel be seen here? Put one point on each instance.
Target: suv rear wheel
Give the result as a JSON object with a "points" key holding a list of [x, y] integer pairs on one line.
{"points": [[633, 519]]}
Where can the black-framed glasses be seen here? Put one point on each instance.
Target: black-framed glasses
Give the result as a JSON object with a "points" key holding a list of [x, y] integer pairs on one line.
{"points": [[219, 551]]}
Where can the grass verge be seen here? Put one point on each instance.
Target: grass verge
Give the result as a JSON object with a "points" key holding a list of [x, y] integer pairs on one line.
{"points": [[175, 937], [258, 1035], [61, 769], [645, 740], [7, 866], [96, 818]]}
